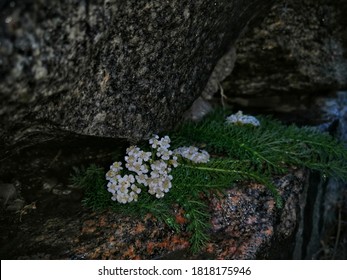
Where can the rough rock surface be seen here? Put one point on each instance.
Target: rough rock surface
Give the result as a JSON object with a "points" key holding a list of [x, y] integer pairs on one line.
{"points": [[109, 68], [300, 47], [245, 224]]}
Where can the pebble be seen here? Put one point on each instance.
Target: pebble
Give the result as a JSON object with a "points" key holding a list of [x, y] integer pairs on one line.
{"points": [[16, 205], [49, 184], [7, 193], [61, 192]]}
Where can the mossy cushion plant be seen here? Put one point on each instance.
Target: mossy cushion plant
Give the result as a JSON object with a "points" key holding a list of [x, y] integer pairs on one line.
{"points": [[233, 149]]}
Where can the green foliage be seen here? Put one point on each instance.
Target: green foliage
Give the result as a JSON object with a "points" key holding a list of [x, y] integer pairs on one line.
{"points": [[93, 181], [97, 197], [238, 153], [269, 148]]}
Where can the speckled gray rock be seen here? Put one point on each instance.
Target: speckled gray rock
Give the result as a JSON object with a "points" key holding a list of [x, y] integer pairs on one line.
{"points": [[109, 68], [301, 47]]}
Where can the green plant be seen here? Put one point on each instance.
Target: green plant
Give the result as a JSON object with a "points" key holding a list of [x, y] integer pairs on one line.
{"points": [[238, 152]]}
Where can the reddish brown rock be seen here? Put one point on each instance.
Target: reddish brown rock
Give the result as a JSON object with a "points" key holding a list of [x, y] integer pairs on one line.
{"points": [[245, 224]]}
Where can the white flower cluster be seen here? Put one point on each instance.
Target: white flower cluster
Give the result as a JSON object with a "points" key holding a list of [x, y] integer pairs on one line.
{"points": [[148, 169], [240, 119], [192, 153]]}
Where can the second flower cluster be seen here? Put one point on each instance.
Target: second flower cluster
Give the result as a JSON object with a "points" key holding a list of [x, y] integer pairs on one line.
{"points": [[148, 169]]}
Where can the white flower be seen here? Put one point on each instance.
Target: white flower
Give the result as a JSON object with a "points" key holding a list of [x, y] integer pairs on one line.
{"points": [[112, 188], [111, 175], [145, 156], [133, 151], [159, 194], [148, 169], [135, 189], [167, 185], [142, 179], [127, 179], [122, 199], [159, 167], [173, 161], [154, 141], [155, 174], [130, 159], [116, 167], [240, 119], [192, 153], [164, 153], [133, 196], [164, 142], [137, 167]]}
